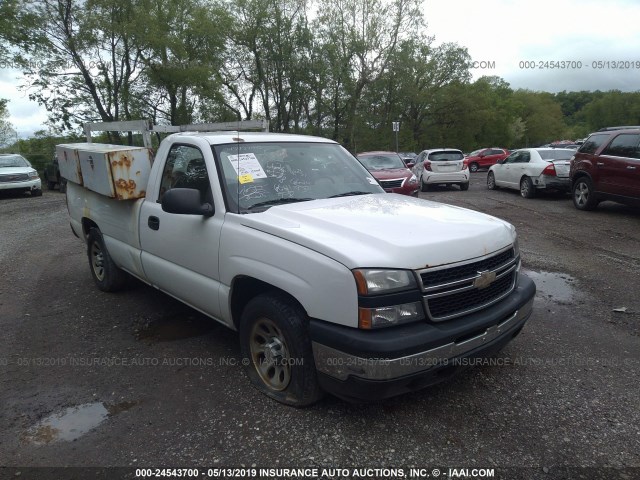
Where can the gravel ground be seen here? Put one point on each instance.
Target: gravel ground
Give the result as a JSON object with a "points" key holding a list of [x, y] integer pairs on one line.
{"points": [[156, 384]]}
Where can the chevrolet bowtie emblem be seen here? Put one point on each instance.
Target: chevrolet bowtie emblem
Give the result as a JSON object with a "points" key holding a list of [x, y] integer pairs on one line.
{"points": [[484, 280]]}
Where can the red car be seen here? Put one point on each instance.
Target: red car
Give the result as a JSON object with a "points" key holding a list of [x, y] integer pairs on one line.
{"points": [[389, 169], [485, 157]]}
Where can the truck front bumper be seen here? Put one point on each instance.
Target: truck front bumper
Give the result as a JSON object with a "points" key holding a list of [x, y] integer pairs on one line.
{"points": [[366, 365]]}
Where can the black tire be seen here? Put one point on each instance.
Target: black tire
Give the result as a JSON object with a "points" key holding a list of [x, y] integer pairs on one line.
{"points": [[36, 193], [491, 181], [473, 167], [527, 190], [108, 277], [464, 186], [423, 186], [63, 186], [274, 333], [583, 194], [51, 185]]}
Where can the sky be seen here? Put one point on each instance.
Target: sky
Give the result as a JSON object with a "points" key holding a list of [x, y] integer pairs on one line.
{"points": [[517, 40]]}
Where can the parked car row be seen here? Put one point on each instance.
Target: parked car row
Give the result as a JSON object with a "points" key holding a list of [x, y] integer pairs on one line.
{"points": [[605, 167]]}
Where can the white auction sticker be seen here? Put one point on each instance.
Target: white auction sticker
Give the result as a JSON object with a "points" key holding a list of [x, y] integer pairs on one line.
{"points": [[247, 164]]}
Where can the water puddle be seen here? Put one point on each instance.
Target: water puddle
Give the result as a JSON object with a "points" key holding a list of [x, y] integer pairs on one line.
{"points": [[175, 327], [558, 287], [73, 422]]}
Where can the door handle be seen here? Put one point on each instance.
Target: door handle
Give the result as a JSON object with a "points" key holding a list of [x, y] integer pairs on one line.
{"points": [[629, 167], [600, 164], [154, 223]]}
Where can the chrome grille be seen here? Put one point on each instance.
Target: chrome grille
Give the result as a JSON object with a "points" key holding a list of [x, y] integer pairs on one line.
{"points": [[457, 290], [14, 177], [391, 183]]}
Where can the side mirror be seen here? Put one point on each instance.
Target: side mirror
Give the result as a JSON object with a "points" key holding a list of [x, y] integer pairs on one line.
{"points": [[186, 201]]}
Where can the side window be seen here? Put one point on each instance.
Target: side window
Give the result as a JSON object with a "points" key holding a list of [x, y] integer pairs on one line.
{"points": [[513, 158], [593, 143], [524, 157], [624, 145], [185, 168]]}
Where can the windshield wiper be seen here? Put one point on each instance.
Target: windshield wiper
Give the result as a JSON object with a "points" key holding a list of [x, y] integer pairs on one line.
{"points": [[278, 201], [348, 194]]}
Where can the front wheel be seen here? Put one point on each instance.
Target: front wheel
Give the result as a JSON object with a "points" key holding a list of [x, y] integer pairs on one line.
{"points": [[36, 193], [106, 274], [527, 190], [583, 195], [276, 350]]}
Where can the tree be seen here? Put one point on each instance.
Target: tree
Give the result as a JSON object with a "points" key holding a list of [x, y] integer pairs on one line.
{"points": [[7, 132], [364, 35], [542, 116]]}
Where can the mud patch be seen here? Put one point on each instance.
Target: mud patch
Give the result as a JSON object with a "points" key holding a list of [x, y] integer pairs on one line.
{"points": [[174, 327], [555, 286]]}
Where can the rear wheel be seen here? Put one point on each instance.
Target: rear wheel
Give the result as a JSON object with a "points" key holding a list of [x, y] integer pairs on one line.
{"points": [[583, 195], [423, 186], [491, 181], [527, 190], [464, 186], [108, 277], [473, 167], [276, 350], [51, 185]]}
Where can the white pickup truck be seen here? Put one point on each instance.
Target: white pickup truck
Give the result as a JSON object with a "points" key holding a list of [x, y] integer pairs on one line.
{"points": [[333, 284]]}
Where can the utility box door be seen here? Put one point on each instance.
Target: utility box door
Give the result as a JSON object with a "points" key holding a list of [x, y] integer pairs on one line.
{"points": [[68, 163], [115, 171]]}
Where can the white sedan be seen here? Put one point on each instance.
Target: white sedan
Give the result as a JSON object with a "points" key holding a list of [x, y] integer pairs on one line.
{"points": [[532, 169]]}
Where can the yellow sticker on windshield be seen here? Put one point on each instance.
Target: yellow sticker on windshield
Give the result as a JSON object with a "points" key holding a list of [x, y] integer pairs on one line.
{"points": [[247, 178]]}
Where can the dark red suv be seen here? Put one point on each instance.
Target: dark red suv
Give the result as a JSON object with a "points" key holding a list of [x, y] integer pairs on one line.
{"points": [[607, 167]]}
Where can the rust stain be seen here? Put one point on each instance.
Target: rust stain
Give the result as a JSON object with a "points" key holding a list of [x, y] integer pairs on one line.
{"points": [[125, 189]]}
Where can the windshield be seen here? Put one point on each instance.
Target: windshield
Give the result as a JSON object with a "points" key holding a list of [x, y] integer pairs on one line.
{"points": [[260, 175], [445, 156], [475, 153], [558, 154], [13, 161], [381, 161]]}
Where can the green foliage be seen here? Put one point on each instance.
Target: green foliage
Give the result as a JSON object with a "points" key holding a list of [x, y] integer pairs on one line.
{"points": [[7, 132], [358, 66]]}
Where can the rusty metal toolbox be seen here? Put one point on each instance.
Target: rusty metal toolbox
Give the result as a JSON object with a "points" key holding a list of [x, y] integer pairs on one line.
{"points": [[116, 171]]}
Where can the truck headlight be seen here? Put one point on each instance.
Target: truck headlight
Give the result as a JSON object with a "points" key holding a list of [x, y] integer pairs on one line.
{"points": [[370, 318], [373, 281], [33, 174]]}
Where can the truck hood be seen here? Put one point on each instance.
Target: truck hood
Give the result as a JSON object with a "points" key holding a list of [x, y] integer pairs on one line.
{"points": [[385, 230]]}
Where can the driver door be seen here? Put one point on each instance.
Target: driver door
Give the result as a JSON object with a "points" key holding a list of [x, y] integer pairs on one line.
{"points": [[180, 252]]}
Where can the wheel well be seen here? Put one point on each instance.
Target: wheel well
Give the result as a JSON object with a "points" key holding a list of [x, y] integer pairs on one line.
{"points": [[243, 289], [579, 175], [87, 225]]}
